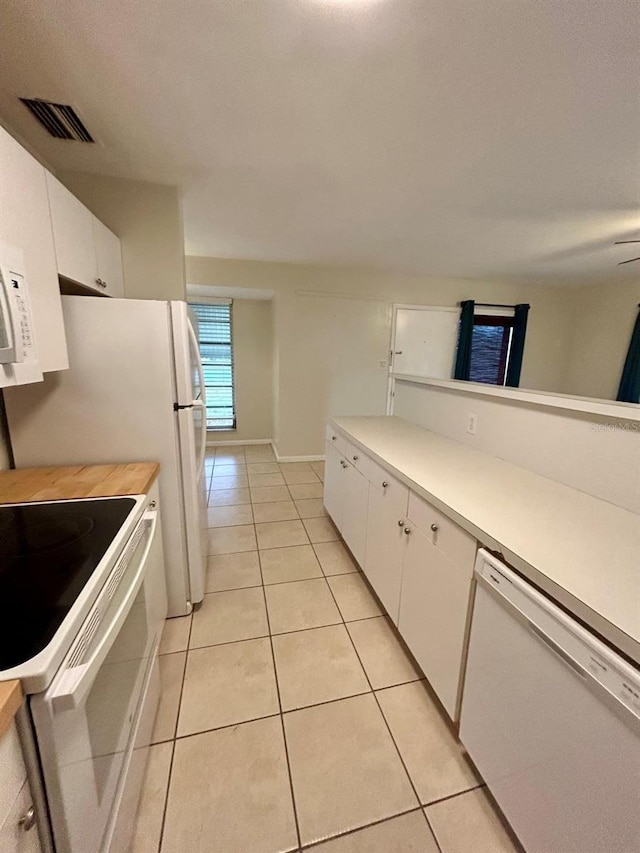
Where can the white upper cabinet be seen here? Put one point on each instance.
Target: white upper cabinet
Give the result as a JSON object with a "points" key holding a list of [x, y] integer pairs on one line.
{"points": [[25, 222], [87, 252], [109, 259]]}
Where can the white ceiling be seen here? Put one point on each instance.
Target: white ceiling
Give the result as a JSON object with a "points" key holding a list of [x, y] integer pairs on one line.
{"points": [[474, 138]]}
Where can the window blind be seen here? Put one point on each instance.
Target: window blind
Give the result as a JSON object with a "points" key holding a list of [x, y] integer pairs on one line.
{"points": [[215, 338]]}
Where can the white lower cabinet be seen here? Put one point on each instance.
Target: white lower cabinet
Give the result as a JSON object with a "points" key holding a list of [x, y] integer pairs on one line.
{"points": [[334, 482], [382, 565], [18, 829], [433, 612], [418, 561], [354, 512]]}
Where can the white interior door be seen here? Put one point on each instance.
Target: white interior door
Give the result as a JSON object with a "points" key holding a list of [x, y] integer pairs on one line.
{"points": [[424, 341]]}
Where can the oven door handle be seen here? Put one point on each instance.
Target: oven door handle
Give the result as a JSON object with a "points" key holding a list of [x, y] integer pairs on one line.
{"points": [[70, 691]]}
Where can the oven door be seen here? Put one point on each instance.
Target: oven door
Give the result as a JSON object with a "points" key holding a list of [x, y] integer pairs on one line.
{"points": [[84, 720]]}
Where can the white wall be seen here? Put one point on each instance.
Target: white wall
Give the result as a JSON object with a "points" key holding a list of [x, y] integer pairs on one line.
{"points": [[332, 327], [595, 455], [148, 219], [253, 371], [601, 323]]}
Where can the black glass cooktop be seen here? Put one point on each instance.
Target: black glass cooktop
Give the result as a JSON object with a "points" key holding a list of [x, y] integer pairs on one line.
{"points": [[47, 554]]}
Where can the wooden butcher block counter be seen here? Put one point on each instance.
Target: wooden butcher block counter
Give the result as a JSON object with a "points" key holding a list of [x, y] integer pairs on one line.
{"points": [[76, 481]]}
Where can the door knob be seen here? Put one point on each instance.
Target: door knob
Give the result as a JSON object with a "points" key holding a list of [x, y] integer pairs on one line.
{"points": [[435, 528], [401, 523], [355, 458], [384, 484], [407, 530]]}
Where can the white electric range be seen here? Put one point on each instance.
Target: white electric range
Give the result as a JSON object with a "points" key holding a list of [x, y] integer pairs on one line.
{"points": [[82, 605]]}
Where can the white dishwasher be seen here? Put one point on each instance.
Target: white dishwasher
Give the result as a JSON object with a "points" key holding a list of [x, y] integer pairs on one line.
{"points": [[551, 718]]}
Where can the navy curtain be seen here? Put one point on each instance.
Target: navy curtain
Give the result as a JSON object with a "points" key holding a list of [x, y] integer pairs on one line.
{"points": [[514, 368], [629, 390], [465, 334]]}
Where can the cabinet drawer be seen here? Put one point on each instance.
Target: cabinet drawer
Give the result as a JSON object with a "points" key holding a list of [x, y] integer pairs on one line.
{"points": [[336, 439], [15, 837], [357, 458], [458, 545]]}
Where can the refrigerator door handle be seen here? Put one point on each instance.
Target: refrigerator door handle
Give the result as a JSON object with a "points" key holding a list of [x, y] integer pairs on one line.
{"points": [[203, 437]]}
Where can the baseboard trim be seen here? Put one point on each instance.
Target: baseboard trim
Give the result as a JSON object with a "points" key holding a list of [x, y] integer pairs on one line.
{"points": [[297, 458], [246, 441]]}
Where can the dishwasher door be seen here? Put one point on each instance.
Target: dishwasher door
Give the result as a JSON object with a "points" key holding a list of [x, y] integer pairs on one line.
{"points": [[551, 718]]}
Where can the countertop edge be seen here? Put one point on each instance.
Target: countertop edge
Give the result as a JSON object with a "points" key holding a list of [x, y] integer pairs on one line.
{"points": [[610, 632], [10, 701]]}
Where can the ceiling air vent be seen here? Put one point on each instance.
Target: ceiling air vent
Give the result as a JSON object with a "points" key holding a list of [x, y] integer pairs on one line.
{"points": [[60, 120]]}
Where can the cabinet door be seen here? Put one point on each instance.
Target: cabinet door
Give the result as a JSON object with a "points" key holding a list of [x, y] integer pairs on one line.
{"points": [[109, 259], [384, 544], [433, 613], [73, 235], [18, 834], [354, 514], [25, 222], [334, 484]]}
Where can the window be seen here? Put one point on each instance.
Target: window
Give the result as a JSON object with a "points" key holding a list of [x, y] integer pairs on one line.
{"points": [[490, 347], [216, 349]]}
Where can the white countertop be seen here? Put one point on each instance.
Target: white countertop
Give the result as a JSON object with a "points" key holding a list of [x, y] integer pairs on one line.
{"points": [[583, 552]]}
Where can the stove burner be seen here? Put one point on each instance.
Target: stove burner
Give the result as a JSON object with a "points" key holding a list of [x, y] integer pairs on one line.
{"points": [[38, 536]]}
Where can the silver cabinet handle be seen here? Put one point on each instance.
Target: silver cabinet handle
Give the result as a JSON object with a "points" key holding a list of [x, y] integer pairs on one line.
{"points": [[401, 523], [355, 458], [435, 528], [101, 283], [384, 484], [333, 437], [407, 530], [28, 819], [152, 504]]}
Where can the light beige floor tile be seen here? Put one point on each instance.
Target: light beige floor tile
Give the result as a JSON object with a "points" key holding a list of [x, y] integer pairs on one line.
{"points": [[408, 833], [229, 516], [306, 490], [311, 508], [317, 666], [281, 534], [295, 478], [175, 636], [229, 453], [469, 822], [229, 497], [383, 656], [354, 597], [276, 511], [334, 558], [233, 571], [318, 467], [227, 684], [257, 480], [230, 540], [321, 530], [287, 467], [171, 672], [259, 453], [270, 494], [229, 467], [433, 757], [345, 769], [280, 565], [230, 792], [263, 468], [148, 825], [232, 481], [224, 617], [299, 605]]}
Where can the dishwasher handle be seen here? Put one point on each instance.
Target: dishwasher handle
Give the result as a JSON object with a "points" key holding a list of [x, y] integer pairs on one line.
{"points": [[557, 650]]}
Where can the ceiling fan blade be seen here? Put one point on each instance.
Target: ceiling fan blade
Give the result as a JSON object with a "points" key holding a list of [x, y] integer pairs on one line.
{"points": [[621, 242], [630, 261]]}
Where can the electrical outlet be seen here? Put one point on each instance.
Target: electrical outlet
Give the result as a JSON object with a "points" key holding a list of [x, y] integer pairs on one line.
{"points": [[472, 424], [382, 364]]}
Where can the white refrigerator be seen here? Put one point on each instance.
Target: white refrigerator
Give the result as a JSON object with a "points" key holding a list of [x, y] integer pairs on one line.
{"points": [[133, 392]]}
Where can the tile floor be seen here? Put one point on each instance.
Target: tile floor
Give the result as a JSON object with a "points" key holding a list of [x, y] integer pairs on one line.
{"points": [[292, 717]]}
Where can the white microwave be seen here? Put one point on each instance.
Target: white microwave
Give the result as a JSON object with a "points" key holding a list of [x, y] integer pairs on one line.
{"points": [[18, 353]]}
